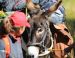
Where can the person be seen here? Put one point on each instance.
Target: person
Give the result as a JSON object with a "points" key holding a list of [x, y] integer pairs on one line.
{"points": [[61, 34], [10, 6], [11, 28]]}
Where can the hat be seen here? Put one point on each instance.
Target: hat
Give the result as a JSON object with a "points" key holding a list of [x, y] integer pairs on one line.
{"points": [[60, 26], [19, 19]]}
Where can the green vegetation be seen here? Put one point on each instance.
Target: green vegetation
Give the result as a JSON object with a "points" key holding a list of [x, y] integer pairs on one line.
{"points": [[70, 15]]}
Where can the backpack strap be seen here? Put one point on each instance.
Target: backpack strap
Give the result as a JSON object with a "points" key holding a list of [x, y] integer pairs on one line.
{"points": [[7, 46]]}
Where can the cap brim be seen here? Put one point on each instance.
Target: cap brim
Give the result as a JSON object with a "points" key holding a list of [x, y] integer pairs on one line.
{"points": [[27, 24], [60, 26]]}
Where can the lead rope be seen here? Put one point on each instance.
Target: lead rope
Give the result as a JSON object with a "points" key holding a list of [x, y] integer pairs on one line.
{"points": [[26, 13]]}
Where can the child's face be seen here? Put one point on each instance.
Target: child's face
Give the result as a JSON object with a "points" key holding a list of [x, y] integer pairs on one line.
{"points": [[19, 30]]}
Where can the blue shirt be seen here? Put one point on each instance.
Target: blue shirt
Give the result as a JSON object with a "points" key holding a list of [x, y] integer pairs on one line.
{"points": [[10, 5], [45, 4], [15, 49]]}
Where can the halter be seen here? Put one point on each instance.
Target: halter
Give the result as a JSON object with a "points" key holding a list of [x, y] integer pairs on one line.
{"points": [[43, 37]]}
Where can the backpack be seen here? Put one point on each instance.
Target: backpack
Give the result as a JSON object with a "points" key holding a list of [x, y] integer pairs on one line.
{"points": [[7, 46]]}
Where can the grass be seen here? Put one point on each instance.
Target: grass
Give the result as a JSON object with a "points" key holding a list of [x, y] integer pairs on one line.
{"points": [[70, 16], [69, 6]]}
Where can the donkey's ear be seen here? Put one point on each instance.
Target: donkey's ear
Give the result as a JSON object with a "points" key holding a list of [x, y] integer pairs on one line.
{"points": [[55, 6]]}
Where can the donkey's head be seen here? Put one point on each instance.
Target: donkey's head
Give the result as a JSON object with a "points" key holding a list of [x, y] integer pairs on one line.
{"points": [[40, 23], [40, 31]]}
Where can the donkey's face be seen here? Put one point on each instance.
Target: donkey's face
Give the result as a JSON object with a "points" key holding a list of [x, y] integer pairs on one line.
{"points": [[40, 24], [39, 21], [40, 30]]}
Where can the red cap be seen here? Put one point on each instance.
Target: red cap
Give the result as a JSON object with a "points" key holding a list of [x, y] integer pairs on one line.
{"points": [[19, 19]]}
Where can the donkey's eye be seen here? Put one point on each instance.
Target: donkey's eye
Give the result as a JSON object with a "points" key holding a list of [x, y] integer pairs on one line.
{"points": [[41, 23], [39, 29]]}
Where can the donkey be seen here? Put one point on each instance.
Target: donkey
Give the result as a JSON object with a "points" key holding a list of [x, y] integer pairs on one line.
{"points": [[40, 34]]}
